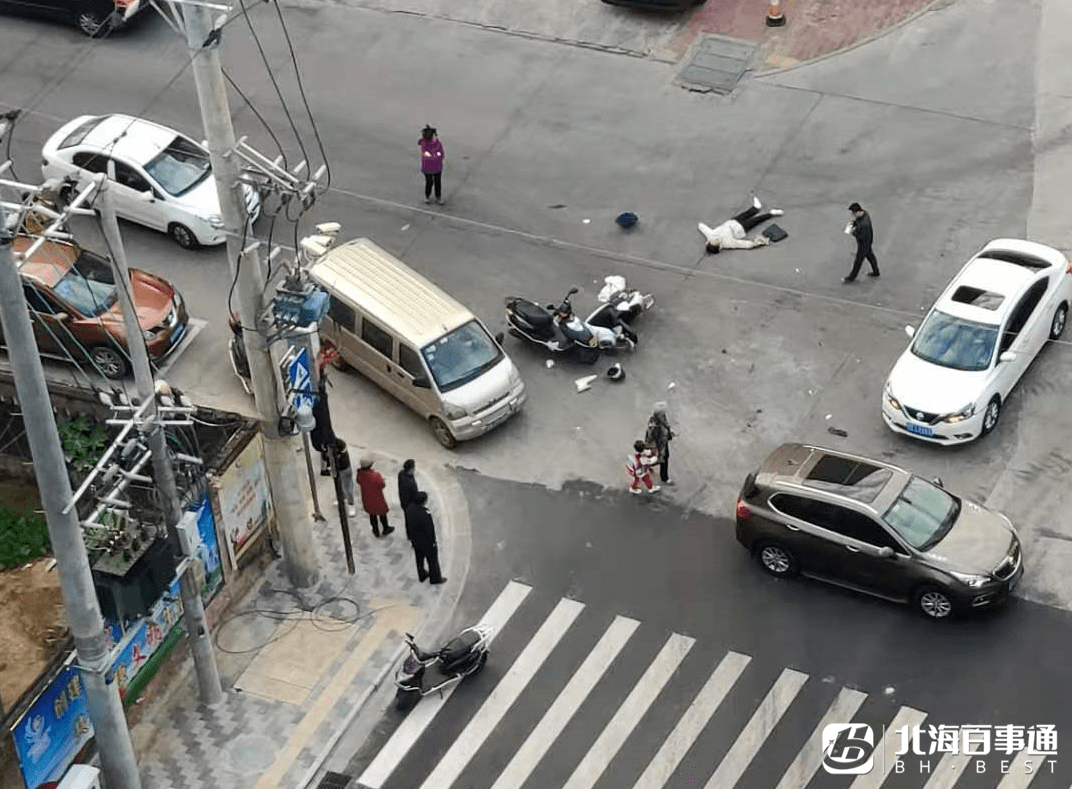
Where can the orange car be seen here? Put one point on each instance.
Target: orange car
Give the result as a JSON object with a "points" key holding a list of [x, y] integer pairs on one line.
{"points": [[75, 308]]}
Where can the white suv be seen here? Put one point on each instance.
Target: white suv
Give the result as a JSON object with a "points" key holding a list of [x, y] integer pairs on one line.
{"points": [[159, 178]]}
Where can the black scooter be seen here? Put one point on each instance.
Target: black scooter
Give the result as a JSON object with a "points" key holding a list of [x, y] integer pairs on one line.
{"points": [[236, 348], [559, 330], [423, 672]]}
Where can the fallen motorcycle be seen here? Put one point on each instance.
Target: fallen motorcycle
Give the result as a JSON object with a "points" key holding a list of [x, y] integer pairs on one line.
{"points": [[423, 672], [559, 330]]}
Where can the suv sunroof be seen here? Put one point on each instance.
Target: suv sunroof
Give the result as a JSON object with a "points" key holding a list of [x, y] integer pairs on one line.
{"points": [[849, 478]]}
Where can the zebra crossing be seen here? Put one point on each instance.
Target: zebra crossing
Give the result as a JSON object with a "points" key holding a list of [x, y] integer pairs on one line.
{"points": [[517, 734]]}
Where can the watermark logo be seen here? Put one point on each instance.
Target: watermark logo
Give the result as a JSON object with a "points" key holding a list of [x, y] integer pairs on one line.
{"points": [[848, 748]]}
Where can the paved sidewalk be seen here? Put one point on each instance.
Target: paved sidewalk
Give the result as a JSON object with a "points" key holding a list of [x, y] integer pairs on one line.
{"points": [[298, 666]]}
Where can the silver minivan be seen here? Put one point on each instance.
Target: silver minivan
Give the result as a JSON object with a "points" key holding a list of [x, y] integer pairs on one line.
{"points": [[416, 342]]}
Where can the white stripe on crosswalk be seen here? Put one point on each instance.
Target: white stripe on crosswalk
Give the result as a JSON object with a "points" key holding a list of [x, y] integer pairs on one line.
{"points": [[629, 714], [804, 767], [1018, 776], [392, 753], [692, 722], [568, 702], [948, 771], [505, 694], [758, 728], [886, 752]]}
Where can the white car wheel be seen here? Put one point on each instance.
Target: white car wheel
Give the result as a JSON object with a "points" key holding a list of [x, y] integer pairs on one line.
{"points": [[1060, 318], [182, 235]]}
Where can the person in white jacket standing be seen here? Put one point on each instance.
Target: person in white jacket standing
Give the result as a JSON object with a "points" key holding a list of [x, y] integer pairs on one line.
{"points": [[733, 233]]}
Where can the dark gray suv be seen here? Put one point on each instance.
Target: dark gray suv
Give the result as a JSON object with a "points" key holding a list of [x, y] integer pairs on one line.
{"points": [[869, 526]]}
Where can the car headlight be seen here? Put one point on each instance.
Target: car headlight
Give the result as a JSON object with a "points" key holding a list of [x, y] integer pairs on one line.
{"points": [[967, 412], [970, 579], [216, 221], [893, 401], [454, 411]]}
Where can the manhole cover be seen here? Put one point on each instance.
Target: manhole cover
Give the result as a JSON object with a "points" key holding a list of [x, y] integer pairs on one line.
{"points": [[251, 754], [717, 64]]}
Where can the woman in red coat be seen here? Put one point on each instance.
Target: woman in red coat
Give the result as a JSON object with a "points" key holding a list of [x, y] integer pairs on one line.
{"points": [[372, 485]]}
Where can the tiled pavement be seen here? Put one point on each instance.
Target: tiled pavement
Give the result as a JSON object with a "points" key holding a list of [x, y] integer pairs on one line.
{"points": [[295, 666]]}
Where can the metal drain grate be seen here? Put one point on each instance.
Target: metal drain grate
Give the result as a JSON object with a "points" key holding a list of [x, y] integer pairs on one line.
{"points": [[717, 64], [334, 781]]}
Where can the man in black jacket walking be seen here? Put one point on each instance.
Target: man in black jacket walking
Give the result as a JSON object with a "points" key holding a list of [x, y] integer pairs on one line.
{"points": [[407, 484], [421, 533], [860, 228]]}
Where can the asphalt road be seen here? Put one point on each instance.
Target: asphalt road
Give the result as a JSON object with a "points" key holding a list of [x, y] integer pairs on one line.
{"points": [[678, 572]]}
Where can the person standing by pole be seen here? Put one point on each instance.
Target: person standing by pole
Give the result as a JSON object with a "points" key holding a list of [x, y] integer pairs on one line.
{"points": [[431, 164], [659, 436], [860, 229]]}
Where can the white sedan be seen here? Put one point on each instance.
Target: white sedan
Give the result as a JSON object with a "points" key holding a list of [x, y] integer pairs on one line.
{"points": [[158, 177], [980, 336]]}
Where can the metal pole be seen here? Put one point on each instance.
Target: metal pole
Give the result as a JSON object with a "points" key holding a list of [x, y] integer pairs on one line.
{"points": [[289, 496], [76, 579], [193, 609], [307, 450]]}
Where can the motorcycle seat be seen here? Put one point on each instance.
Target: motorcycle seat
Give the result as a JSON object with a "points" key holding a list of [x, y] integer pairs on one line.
{"points": [[458, 648], [533, 314]]}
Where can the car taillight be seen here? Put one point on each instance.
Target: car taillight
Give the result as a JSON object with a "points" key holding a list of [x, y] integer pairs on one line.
{"points": [[743, 513], [44, 162]]}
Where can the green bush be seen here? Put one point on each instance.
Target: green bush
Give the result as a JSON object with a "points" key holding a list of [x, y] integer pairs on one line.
{"points": [[22, 537]]}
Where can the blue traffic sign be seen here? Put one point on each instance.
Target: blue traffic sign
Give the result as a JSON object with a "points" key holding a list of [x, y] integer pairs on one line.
{"points": [[299, 379]]}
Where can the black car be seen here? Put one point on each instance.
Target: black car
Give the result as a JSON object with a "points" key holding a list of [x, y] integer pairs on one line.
{"points": [[92, 17], [876, 528], [657, 5]]}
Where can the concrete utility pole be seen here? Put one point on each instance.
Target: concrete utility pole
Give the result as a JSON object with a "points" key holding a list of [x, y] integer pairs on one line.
{"points": [[193, 610], [76, 579], [290, 496]]}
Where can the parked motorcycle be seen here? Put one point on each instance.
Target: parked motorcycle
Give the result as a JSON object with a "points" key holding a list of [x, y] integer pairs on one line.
{"points": [[423, 672], [236, 348], [559, 330]]}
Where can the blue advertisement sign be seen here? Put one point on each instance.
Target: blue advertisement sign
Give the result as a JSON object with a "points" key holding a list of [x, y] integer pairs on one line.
{"points": [[54, 729], [208, 551]]}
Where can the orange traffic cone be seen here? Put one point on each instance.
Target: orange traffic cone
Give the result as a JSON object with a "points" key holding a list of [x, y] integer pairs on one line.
{"points": [[774, 14]]}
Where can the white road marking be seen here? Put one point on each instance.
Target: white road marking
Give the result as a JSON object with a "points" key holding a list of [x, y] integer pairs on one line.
{"points": [[804, 767], [568, 702], [629, 714], [692, 722], [758, 728], [395, 749], [498, 703], [885, 751]]}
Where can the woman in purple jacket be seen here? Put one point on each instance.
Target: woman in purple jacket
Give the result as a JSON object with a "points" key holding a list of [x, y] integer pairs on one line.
{"points": [[431, 164]]}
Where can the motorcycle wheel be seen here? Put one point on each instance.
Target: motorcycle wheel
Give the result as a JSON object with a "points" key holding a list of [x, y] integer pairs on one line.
{"points": [[405, 700], [515, 333], [480, 664]]}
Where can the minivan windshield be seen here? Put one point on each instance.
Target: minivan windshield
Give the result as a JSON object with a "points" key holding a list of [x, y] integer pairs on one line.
{"points": [[923, 513], [179, 167], [460, 356]]}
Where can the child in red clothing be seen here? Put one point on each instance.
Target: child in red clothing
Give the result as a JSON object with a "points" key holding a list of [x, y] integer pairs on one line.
{"points": [[638, 466]]}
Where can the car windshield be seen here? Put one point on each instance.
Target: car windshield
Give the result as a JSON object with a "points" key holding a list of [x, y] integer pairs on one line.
{"points": [[460, 356], [923, 513], [88, 287], [955, 342], [179, 167]]}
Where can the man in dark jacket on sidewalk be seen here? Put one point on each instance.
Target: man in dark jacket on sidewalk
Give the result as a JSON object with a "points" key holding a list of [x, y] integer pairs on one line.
{"points": [[860, 228], [407, 484], [421, 533]]}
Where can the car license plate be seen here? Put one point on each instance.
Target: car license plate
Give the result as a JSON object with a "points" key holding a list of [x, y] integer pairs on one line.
{"points": [[919, 430]]}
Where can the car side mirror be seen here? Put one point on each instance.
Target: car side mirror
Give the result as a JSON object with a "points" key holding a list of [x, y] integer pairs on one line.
{"points": [[61, 316], [938, 481], [421, 382], [886, 552], [148, 196], [1007, 356], [499, 338], [910, 331]]}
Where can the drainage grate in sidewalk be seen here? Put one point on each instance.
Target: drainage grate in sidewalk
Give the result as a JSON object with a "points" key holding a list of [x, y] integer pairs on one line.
{"points": [[334, 781], [717, 64]]}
